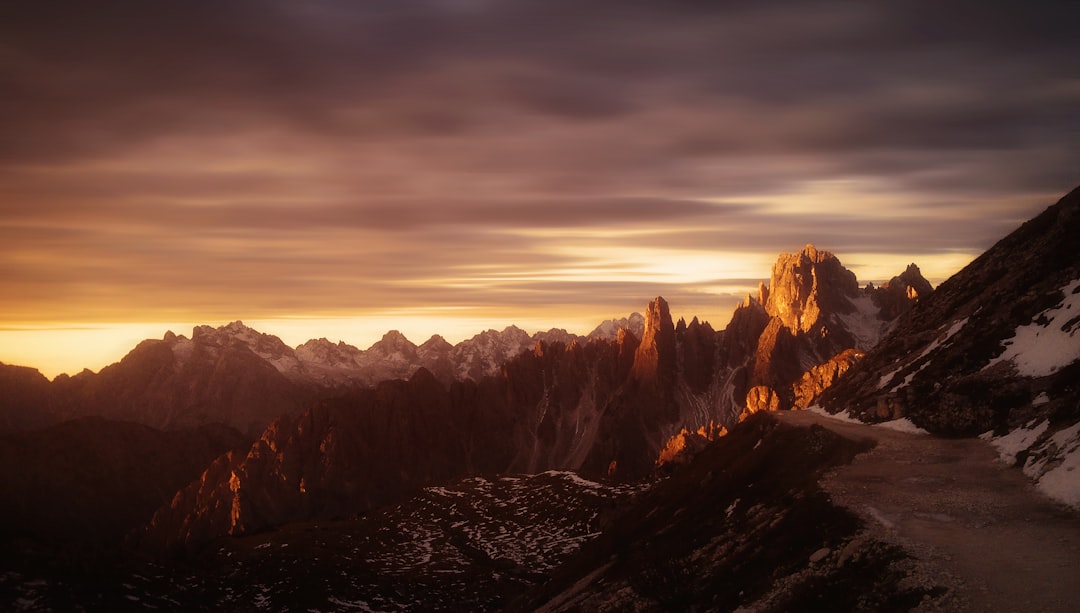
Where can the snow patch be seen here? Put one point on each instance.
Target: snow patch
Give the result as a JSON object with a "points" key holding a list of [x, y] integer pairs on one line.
{"points": [[574, 478], [843, 416], [902, 425], [1053, 461], [1050, 342], [864, 322], [1016, 441], [1062, 482]]}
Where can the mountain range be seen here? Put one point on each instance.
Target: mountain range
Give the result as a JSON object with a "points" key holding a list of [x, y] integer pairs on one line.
{"points": [[196, 448]]}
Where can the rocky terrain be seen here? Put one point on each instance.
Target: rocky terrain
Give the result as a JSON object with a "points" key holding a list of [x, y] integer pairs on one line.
{"points": [[473, 544]]}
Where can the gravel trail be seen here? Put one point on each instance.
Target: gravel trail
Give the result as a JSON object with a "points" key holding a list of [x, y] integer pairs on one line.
{"points": [[976, 526]]}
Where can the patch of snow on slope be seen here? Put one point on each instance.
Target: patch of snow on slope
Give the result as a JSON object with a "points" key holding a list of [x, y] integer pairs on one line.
{"points": [[841, 416], [863, 323], [1016, 441], [902, 425], [1050, 342], [574, 478], [888, 377], [1053, 461], [1062, 481]]}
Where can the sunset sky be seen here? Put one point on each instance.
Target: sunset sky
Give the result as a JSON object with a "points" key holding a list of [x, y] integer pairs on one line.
{"points": [[342, 168]]}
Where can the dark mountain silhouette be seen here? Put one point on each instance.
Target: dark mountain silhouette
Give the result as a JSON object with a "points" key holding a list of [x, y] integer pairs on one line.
{"points": [[93, 480]]}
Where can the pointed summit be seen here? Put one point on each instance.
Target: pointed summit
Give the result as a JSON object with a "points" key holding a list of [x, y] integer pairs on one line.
{"points": [[806, 284], [655, 356]]}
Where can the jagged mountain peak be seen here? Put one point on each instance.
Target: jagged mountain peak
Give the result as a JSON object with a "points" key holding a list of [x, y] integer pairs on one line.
{"points": [[393, 340], [655, 356], [609, 329], [912, 279], [436, 344], [805, 285], [320, 354]]}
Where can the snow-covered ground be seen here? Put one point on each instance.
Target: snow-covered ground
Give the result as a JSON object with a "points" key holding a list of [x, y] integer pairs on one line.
{"points": [[900, 425], [1052, 460], [1050, 341], [864, 323]]}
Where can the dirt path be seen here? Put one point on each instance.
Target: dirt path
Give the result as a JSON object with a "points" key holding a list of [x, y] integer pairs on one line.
{"points": [[979, 526]]}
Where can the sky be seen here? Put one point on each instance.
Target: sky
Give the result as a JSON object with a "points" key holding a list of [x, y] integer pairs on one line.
{"points": [[341, 168]]}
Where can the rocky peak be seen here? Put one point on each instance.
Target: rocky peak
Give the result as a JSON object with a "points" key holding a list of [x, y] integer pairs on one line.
{"points": [[555, 335], [483, 354], [436, 344], [609, 329], [393, 341], [807, 285], [896, 296], [914, 284], [656, 355], [324, 352]]}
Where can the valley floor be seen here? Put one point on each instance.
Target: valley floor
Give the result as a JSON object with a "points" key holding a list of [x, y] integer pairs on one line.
{"points": [[974, 524]]}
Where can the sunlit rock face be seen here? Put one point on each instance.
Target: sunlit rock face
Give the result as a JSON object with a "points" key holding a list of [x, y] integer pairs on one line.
{"points": [[900, 293], [815, 381], [655, 360], [807, 285], [994, 348], [814, 314]]}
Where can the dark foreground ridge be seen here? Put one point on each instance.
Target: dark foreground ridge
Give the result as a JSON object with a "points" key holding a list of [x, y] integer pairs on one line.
{"points": [[743, 517]]}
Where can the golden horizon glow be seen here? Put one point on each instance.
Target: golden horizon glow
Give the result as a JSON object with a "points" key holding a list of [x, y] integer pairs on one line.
{"points": [[69, 347]]}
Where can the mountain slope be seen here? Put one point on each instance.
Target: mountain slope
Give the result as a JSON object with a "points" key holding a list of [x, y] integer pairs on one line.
{"points": [[995, 350], [92, 480], [962, 361]]}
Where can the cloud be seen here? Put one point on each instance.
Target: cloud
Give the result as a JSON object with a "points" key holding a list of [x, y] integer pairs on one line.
{"points": [[205, 157]]}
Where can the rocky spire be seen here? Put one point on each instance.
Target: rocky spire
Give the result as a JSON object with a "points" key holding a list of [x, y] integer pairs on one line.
{"points": [[655, 357], [806, 285]]}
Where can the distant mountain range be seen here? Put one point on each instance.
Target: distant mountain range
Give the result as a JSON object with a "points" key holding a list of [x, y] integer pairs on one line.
{"points": [[243, 378]]}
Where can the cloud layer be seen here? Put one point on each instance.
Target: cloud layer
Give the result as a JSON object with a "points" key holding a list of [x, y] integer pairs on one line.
{"points": [[208, 160]]}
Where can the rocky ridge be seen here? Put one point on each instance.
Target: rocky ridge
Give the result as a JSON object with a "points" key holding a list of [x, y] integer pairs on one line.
{"points": [[602, 408], [994, 351]]}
